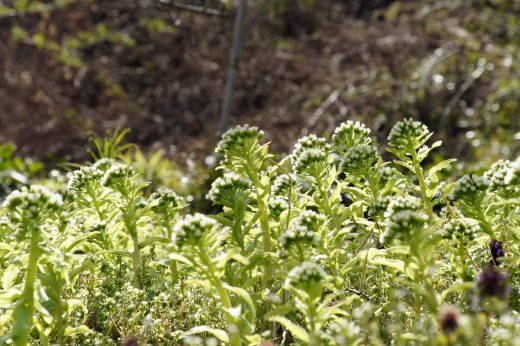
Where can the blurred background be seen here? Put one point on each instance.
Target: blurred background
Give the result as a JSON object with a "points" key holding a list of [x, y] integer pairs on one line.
{"points": [[159, 68]]}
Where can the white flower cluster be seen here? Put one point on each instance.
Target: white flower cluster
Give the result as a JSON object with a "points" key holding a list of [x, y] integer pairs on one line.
{"points": [[350, 134], [276, 206], [402, 224], [104, 164], [387, 173], [312, 162], [461, 230], [238, 140], [304, 229], [513, 175], [400, 203], [381, 205], [358, 158], [227, 189], [344, 332], [305, 276], [97, 226], [116, 173], [192, 228], [407, 134], [83, 176], [281, 185], [167, 199], [496, 174], [309, 142], [469, 187], [31, 203]]}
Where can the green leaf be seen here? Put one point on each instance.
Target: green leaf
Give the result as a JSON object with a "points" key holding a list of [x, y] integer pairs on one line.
{"points": [[458, 287], [10, 276], [244, 295], [218, 333], [292, 327], [8, 297], [440, 166], [396, 264], [180, 258], [82, 329], [153, 240], [120, 253]]}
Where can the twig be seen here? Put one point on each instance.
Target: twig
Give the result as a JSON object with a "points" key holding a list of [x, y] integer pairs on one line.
{"points": [[351, 290]]}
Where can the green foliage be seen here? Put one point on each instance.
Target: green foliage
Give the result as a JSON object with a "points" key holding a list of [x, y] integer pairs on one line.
{"points": [[330, 246]]}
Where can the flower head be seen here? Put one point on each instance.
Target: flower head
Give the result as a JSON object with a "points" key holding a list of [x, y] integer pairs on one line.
{"points": [[358, 159], [309, 142], [228, 189], [350, 134], [492, 283], [104, 164], [169, 201], [408, 135], [32, 204], [117, 175], [82, 177], [305, 229], [497, 250], [461, 230], [387, 173], [277, 205], [312, 162], [403, 225], [344, 332], [282, 184], [400, 203], [192, 228], [306, 276], [239, 141], [469, 188]]}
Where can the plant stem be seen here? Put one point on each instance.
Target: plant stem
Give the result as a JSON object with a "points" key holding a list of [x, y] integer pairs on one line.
{"points": [[173, 263], [234, 333], [23, 313], [137, 261], [422, 184]]}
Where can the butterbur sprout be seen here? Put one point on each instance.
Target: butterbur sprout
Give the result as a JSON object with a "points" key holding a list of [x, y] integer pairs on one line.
{"points": [[117, 175], [402, 225], [192, 228], [470, 188], [310, 142], [306, 276], [350, 134], [400, 203], [408, 135], [167, 198], [239, 141], [32, 204], [358, 159], [277, 205], [461, 230], [282, 184], [82, 177], [311, 162], [230, 188]]}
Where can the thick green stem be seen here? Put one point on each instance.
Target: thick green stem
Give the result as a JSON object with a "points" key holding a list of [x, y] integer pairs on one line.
{"points": [[314, 337], [326, 205], [234, 333], [173, 263], [137, 261], [95, 202], [23, 313], [422, 184]]}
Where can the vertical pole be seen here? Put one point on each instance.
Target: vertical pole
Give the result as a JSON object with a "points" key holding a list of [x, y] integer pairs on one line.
{"points": [[232, 66]]}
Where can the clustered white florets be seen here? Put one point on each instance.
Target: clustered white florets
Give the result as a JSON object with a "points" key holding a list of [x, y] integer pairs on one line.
{"points": [[468, 187], [402, 224], [83, 176], [311, 162], [344, 332], [358, 157], [407, 134], [277, 205], [305, 275], [309, 142], [227, 189], [496, 175], [167, 198], [400, 203], [304, 229], [117, 173], [461, 230], [192, 228], [237, 140], [29, 203], [281, 185], [350, 134]]}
